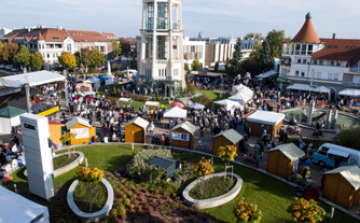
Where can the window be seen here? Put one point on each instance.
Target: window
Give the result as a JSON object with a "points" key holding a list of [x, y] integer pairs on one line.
{"points": [[303, 74], [356, 80], [48, 56], [101, 48], [318, 75], [332, 63], [150, 16], [176, 72], [54, 55], [336, 77], [330, 76], [162, 14], [320, 62], [330, 46], [297, 73], [298, 60], [338, 63], [161, 47], [335, 46], [315, 62], [304, 61], [148, 47], [39, 46]]}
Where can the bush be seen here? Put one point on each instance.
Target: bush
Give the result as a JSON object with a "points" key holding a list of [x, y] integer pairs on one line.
{"points": [[203, 99], [247, 212], [190, 89], [138, 97], [350, 138], [303, 210], [92, 70]]}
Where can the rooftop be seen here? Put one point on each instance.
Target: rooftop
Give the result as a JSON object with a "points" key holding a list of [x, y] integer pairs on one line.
{"points": [[307, 33]]}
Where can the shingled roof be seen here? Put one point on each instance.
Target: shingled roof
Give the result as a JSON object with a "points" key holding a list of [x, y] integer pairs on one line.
{"points": [[307, 33]]}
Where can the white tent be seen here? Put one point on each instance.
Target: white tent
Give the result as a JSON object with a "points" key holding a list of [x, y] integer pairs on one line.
{"points": [[300, 87], [175, 112], [94, 81], [350, 92], [196, 106], [243, 94], [33, 78], [229, 104], [89, 93], [153, 103], [125, 100], [324, 89], [267, 74], [16, 208], [9, 117]]}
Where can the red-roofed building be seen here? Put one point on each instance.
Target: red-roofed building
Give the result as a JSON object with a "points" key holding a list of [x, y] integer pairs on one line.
{"points": [[329, 62]]}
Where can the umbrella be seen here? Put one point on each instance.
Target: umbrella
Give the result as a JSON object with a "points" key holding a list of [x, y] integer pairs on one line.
{"points": [[196, 106], [177, 104]]}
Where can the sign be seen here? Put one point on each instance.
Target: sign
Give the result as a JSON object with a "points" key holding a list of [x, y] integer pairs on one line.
{"points": [[282, 80], [80, 133], [180, 136]]}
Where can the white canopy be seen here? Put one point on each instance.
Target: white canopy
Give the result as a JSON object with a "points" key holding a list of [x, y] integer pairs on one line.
{"points": [[94, 81], [89, 93], [125, 100], [175, 112], [229, 104], [305, 87], [265, 117], [33, 78], [153, 103], [243, 94], [350, 92], [16, 208], [196, 106], [267, 74]]}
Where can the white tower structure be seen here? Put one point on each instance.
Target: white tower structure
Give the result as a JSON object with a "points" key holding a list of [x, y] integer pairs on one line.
{"points": [[161, 67]]}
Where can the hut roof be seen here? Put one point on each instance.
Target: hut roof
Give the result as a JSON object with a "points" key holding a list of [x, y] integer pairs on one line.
{"points": [[231, 135], [77, 120], [162, 161], [350, 173], [55, 123], [265, 117], [290, 150], [187, 126], [10, 112], [138, 121]]}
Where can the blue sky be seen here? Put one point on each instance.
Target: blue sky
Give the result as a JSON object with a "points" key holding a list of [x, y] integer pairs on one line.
{"points": [[215, 18]]}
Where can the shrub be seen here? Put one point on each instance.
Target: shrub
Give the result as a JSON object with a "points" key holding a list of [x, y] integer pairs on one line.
{"points": [[92, 70], [350, 138], [247, 212], [303, 210], [132, 206], [190, 89], [228, 152], [203, 99], [150, 208], [114, 213], [129, 193], [127, 202], [122, 214]]}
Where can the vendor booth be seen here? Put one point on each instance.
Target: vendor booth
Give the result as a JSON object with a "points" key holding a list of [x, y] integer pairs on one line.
{"points": [[56, 130], [175, 112], [284, 160], [264, 120], [182, 135], [95, 82], [342, 186], [135, 130], [9, 118], [105, 80], [225, 138], [350, 92], [84, 132], [84, 87], [16, 208], [242, 93], [152, 104]]}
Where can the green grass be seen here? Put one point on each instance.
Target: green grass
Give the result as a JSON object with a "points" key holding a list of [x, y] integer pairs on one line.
{"points": [[213, 95], [214, 187], [63, 160], [98, 197]]}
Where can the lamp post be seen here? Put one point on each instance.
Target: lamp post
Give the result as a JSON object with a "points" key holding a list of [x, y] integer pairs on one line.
{"points": [[81, 66]]}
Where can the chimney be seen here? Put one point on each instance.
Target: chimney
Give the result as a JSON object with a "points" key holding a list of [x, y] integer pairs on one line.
{"points": [[334, 35], [59, 27], [29, 29]]}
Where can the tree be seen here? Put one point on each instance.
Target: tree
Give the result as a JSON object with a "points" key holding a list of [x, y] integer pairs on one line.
{"points": [[196, 65], [237, 55], [350, 138], [257, 36], [227, 153], [36, 61], [9, 51], [22, 57], [247, 212], [116, 48], [97, 58], [83, 58], [67, 60], [255, 53], [203, 168], [250, 66], [186, 67], [133, 63], [266, 61], [90, 177], [216, 68], [275, 39], [303, 210]]}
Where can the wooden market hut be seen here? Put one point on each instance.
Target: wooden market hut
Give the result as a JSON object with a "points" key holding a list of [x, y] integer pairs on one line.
{"points": [[264, 120], [135, 130], [82, 129], [56, 130], [284, 159], [228, 137], [342, 186], [182, 135], [170, 165]]}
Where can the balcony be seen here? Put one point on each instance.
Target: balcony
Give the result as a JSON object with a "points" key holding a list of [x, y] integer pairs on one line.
{"points": [[351, 84], [355, 69], [163, 61]]}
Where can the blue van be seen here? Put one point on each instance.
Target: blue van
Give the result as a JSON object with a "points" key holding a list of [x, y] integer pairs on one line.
{"points": [[335, 156]]}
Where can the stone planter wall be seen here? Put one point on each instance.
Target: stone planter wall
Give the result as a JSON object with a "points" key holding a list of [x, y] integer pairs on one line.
{"points": [[91, 217], [216, 201]]}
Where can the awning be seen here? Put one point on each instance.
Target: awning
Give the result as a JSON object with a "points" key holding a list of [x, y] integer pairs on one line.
{"points": [[339, 153], [268, 74], [153, 103], [32, 78], [350, 92], [282, 80], [305, 87], [175, 112]]}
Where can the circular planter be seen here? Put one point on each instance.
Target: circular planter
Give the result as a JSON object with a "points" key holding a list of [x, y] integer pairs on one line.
{"points": [[68, 167], [216, 201], [95, 216]]}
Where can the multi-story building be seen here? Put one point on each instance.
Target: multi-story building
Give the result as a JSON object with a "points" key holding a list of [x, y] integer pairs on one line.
{"points": [[51, 42], [161, 66], [331, 62], [4, 31], [192, 50]]}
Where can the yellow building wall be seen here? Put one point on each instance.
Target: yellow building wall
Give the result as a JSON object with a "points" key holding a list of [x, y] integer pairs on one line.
{"points": [[55, 133], [92, 134]]}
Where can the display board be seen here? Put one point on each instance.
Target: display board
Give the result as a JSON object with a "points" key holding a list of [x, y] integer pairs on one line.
{"points": [[81, 133], [180, 136]]}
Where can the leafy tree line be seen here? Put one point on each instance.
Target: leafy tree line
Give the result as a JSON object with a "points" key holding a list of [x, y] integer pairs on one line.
{"points": [[84, 58], [11, 54]]}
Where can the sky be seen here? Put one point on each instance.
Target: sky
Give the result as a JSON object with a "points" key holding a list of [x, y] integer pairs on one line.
{"points": [[214, 18]]}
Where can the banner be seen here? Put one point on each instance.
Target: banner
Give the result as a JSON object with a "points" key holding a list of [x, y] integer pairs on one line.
{"points": [[81, 133]]}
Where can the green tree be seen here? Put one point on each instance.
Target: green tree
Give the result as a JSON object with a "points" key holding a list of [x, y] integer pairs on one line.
{"points": [[216, 68], [275, 39], [116, 48], [257, 36], [22, 57], [36, 61], [196, 65], [237, 55], [186, 67], [266, 61], [83, 59], [133, 63], [67, 60], [9, 51], [256, 52], [97, 58]]}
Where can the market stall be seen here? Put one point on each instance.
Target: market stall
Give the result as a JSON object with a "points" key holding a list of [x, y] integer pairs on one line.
{"points": [[342, 186], [83, 87], [84, 132], [284, 160], [95, 83], [182, 135], [229, 104], [225, 138], [175, 112], [56, 130], [9, 118], [264, 120], [135, 130], [350, 92]]}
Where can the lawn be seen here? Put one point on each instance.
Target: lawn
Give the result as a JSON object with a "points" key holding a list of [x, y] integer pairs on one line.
{"points": [[213, 95], [63, 160]]}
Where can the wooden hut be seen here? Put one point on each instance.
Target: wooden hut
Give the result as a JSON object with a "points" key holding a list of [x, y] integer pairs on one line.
{"points": [[264, 120], [82, 129], [182, 135], [56, 130], [225, 138], [342, 186], [135, 130], [284, 159]]}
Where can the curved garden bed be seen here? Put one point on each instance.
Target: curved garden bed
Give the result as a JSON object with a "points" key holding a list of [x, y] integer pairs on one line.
{"points": [[68, 167], [95, 216], [216, 201]]}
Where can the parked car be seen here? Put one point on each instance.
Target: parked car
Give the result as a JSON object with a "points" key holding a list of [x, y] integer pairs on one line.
{"points": [[334, 156]]}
